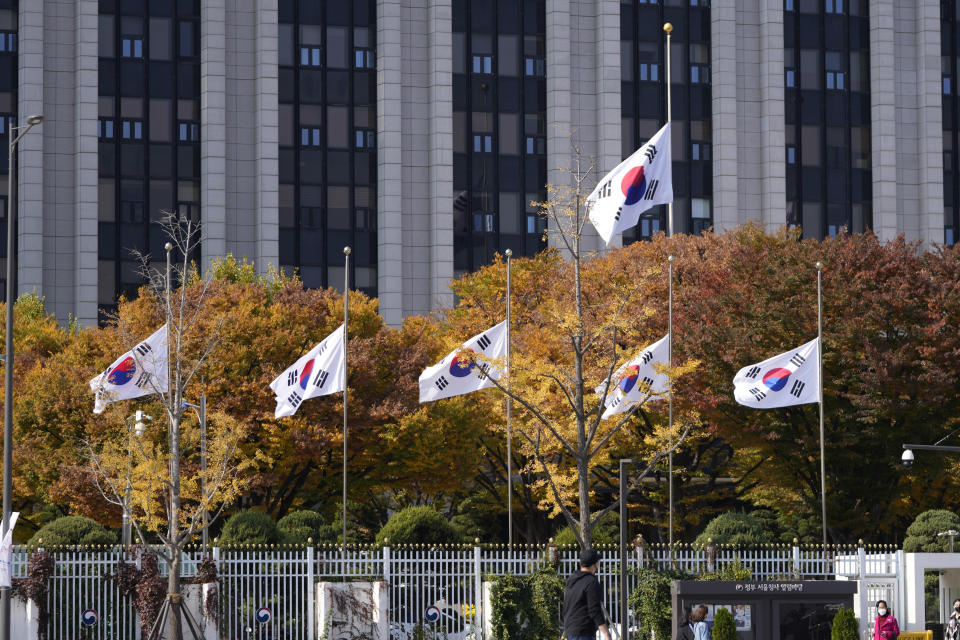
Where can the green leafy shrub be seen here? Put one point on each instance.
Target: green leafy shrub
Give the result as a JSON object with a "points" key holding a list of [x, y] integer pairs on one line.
{"points": [[724, 627], [922, 533], [734, 528], [735, 570], [525, 607], [607, 531], [73, 530], [651, 600], [418, 525], [300, 527], [250, 527], [845, 625]]}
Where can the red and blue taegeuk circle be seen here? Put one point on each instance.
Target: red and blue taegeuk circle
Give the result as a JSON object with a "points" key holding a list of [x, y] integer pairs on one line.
{"points": [[633, 185], [305, 374], [776, 379], [123, 372], [629, 378], [463, 363]]}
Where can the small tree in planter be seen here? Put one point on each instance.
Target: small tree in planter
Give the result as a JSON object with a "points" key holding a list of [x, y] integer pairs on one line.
{"points": [[844, 625], [724, 627]]}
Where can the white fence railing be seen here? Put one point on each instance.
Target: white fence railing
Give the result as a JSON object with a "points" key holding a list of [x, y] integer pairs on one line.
{"points": [[439, 587]]}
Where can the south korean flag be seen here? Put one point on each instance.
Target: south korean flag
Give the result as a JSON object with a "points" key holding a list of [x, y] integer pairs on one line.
{"points": [[643, 180], [781, 381], [139, 372], [466, 369], [319, 372], [638, 380]]}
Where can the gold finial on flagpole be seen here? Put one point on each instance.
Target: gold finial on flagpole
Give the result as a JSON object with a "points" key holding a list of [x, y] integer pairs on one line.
{"points": [[668, 27]]}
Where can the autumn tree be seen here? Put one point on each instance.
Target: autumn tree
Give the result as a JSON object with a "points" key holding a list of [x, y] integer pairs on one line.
{"points": [[571, 331]]}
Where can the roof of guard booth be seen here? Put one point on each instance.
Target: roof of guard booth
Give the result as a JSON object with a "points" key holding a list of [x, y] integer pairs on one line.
{"points": [[753, 588]]}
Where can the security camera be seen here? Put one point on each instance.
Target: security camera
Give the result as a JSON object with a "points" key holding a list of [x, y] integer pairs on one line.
{"points": [[907, 458]]}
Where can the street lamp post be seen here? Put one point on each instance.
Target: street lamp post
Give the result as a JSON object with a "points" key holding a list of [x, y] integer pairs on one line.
{"points": [[201, 411], [8, 359], [139, 428]]}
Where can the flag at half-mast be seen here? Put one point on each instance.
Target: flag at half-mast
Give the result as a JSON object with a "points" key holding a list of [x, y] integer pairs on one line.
{"points": [[786, 379], [643, 180], [466, 369], [638, 380], [319, 372], [139, 372]]}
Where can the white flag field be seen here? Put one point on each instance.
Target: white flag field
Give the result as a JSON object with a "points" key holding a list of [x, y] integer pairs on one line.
{"points": [[139, 372], [6, 552], [319, 372], [787, 379], [461, 371], [638, 380], [643, 180]]}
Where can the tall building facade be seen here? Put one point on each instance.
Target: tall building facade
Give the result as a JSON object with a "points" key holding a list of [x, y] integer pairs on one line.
{"points": [[419, 132]]}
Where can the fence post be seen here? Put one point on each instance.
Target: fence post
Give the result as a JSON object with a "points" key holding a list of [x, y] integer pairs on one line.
{"points": [[311, 594], [478, 611], [796, 560], [862, 588]]}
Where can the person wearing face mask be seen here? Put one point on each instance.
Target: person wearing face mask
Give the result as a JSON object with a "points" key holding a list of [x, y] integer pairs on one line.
{"points": [[885, 627], [952, 632]]}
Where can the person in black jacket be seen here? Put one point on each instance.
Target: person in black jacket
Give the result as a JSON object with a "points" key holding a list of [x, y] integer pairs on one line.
{"points": [[685, 629], [583, 601]]}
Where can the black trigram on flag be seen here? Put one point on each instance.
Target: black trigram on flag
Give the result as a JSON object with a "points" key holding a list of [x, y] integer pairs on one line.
{"points": [[753, 373], [797, 360], [646, 357], [651, 190], [646, 384], [605, 190], [756, 393], [143, 349], [143, 380], [483, 342], [292, 377], [483, 369], [797, 388], [441, 383], [321, 378], [617, 214], [294, 399], [650, 153]]}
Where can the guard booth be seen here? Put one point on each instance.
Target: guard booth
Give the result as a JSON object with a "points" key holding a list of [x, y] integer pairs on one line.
{"points": [[798, 610]]}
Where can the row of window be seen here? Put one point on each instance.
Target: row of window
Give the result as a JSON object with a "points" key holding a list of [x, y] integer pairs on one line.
{"points": [[313, 57], [362, 138], [133, 130]]}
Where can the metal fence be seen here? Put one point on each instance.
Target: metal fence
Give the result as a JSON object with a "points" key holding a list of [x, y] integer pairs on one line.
{"points": [[439, 588]]}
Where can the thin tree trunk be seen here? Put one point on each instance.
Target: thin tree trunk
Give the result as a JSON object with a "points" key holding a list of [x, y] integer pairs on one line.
{"points": [[173, 587]]}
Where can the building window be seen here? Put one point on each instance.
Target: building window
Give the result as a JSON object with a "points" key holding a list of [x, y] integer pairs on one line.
{"points": [[309, 136], [8, 41], [834, 6], [364, 59], [791, 154], [131, 212], [700, 213], [483, 222], [536, 145], [482, 64], [188, 131], [946, 85], [483, 143], [788, 5], [700, 151], [649, 71], [131, 48], [365, 138], [131, 129], [791, 77], [699, 74], [645, 2], [310, 56], [700, 3], [104, 128], [534, 66], [835, 80]]}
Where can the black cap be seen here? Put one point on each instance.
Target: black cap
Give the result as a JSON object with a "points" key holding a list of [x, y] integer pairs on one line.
{"points": [[589, 557]]}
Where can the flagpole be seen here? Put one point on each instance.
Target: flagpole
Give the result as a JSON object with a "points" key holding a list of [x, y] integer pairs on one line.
{"points": [[823, 463], [346, 318], [509, 254], [668, 29]]}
